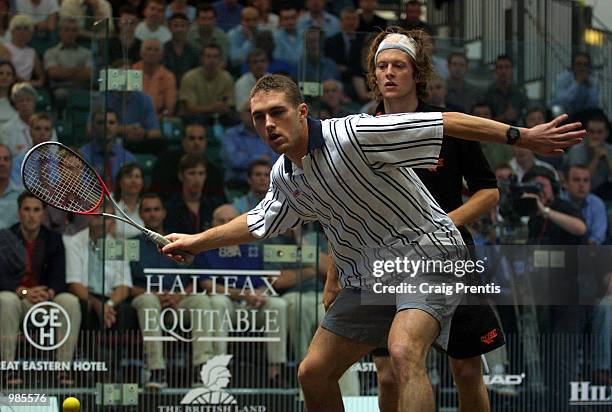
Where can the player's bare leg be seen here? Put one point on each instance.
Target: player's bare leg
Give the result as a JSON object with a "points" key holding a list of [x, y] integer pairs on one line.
{"points": [[412, 334], [388, 395], [328, 357], [473, 395]]}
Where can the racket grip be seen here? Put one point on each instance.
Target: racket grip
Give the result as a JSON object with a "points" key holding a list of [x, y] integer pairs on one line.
{"points": [[162, 241]]}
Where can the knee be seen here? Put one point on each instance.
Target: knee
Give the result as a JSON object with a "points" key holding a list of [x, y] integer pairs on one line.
{"points": [[407, 356], [467, 372], [69, 302], [313, 372], [146, 301]]}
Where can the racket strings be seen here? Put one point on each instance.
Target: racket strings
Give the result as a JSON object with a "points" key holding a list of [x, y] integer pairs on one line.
{"points": [[60, 178]]}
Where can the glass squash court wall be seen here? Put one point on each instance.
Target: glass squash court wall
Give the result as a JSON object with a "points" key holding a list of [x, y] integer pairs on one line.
{"points": [[249, 355]]}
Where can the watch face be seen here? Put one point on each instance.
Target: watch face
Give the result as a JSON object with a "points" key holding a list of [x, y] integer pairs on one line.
{"points": [[513, 135]]}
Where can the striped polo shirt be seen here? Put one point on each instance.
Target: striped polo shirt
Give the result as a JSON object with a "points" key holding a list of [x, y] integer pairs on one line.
{"points": [[357, 181]]}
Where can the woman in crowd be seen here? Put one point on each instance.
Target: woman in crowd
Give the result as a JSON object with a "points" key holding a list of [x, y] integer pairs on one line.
{"points": [[130, 184]]}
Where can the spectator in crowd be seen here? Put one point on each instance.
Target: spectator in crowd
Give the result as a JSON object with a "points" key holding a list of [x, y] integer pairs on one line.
{"points": [[315, 67], [205, 31], [413, 18], [258, 67], [436, 88], [43, 279], [9, 191], [125, 43], [130, 184], [576, 90], [267, 19], [165, 181], [578, 193], [7, 79], [506, 99], [102, 285], [594, 152], [86, 13], [138, 121], [360, 90], [335, 101], [259, 183], [24, 58], [152, 27], [190, 211], [288, 43], [181, 7], [179, 55], [316, 17], [16, 132], [240, 147], [67, 64], [5, 16], [264, 40], [41, 130], [523, 160], [103, 153], [341, 47], [368, 20], [496, 154], [164, 295], [556, 221], [241, 37], [228, 13], [42, 12], [250, 289], [461, 94], [208, 90], [158, 82]]}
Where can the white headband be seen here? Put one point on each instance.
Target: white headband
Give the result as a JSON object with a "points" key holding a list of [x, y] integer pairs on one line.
{"points": [[397, 41]]}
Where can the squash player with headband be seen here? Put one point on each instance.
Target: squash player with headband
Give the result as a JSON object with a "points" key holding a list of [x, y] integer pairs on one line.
{"points": [[341, 173], [400, 86]]}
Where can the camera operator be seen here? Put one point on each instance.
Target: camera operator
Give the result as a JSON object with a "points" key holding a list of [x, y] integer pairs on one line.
{"points": [[556, 222]]}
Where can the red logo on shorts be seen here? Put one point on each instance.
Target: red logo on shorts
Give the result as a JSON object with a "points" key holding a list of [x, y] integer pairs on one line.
{"points": [[489, 337]]}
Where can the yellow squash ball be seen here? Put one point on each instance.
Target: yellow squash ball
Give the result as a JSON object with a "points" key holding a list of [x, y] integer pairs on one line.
{"points": [[71, 405]]}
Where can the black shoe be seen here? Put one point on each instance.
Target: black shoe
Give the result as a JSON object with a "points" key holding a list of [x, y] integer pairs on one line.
{"points": [[157, 380]]}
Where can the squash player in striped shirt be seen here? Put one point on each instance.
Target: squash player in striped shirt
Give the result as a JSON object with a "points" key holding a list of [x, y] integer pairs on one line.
{"points": [[367, 198], [399, 80]]}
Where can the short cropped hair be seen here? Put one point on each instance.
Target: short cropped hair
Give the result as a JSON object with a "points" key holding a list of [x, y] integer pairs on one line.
{"points": [[279, 83]]}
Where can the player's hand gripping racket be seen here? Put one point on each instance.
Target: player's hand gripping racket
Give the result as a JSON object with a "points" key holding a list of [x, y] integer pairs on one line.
{"points": [[61, 178]]}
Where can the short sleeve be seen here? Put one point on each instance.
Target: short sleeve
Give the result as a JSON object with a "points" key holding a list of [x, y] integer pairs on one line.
{"points": [[75, 264], [274, 215], [400, 140]]}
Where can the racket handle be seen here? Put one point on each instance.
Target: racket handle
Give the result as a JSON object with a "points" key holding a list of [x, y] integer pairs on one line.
{"points": [[162, 241]]}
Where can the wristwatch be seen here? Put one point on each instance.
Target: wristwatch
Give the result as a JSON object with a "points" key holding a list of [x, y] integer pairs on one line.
{"points": [[513, 135], [110, 303], [546, 212]]}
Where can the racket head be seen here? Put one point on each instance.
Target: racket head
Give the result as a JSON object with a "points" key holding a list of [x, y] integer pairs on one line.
{"points": [[60, 177]]}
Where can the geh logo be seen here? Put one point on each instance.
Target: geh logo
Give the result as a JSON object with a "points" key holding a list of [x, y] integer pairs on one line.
{"points": [[215, 377], [583, 393], [45, 319]]}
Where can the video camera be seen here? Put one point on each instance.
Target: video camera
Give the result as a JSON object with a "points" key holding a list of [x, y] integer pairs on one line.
{"points": [[512, 205]]}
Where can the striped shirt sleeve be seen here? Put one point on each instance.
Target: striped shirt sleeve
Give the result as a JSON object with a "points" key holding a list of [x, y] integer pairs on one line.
{"points": [[400, 140], [274, 215]]}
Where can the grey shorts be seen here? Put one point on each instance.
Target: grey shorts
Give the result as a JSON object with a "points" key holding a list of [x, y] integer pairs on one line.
{"points": [[370, 324]]}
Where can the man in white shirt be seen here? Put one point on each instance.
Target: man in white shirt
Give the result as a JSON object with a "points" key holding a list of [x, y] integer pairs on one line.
{"points": [[100, 284], [152, 26]]}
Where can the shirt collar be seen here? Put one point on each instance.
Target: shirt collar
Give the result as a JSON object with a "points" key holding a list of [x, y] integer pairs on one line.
{"points": [[315, 141]]}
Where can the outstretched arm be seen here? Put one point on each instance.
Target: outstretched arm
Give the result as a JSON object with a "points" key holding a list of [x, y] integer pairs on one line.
{"points": [[545, 139], [232, 233]]}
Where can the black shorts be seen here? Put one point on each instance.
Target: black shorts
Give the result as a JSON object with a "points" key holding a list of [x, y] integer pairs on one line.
{"points": [[475, 330]]}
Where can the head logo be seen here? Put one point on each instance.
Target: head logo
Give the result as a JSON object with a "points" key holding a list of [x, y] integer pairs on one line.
{"points": [[215, 377], [489, 338], [46, 319]]}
